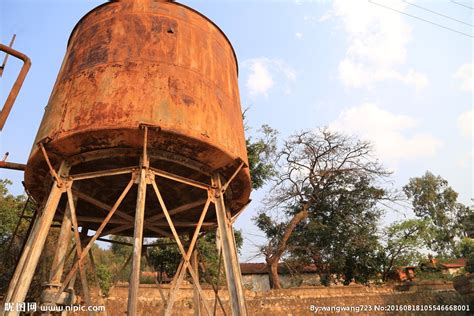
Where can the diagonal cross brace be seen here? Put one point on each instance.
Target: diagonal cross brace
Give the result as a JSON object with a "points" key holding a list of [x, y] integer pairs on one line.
{"points": [[186, 254]]}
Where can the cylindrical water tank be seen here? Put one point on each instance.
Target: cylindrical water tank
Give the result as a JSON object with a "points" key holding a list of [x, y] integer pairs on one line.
{"points": [[157, 63]]}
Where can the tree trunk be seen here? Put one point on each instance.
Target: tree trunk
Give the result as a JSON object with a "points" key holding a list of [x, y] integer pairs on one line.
{"points": [[274, 258], [273, 276]]}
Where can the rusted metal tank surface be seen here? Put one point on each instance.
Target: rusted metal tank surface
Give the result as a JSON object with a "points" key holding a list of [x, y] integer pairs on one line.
{"points": [[149, 62]]}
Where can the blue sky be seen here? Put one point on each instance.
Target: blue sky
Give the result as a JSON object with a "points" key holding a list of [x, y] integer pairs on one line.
{"points": [[355, 66]]}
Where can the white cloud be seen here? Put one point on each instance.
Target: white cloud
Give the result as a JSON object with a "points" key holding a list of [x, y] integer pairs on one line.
{"points": [[299, 35], [262, 73], [464, 74], [465, 123], [356, 75], [310, 1], [466, 160], [391, 134], [416, 79], [377, 44], [259, 80], [309, 18]]}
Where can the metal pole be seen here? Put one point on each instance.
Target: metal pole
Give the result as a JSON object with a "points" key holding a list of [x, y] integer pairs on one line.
{"points": [[24, 272], [229, 252], [137, 244], [195, 267], [82, 270], [64, 240]]}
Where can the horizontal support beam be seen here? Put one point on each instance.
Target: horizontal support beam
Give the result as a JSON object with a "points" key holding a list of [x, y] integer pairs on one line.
{"points": [[92, 219], [168, 175], [183, 224], [102, 173], [114, 241], [177, 210], [101, 204], [160, 244]]}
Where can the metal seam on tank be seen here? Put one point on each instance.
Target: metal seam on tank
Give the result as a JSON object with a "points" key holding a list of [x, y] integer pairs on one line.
{"points": [[66, 134], [209, 83], [216, 27]]}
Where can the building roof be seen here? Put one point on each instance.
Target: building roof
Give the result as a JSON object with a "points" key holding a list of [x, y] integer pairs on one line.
{"points": [[458, 263]]}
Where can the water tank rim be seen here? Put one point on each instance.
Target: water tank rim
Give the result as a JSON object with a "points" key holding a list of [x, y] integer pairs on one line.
{"points": [[174, 2]]}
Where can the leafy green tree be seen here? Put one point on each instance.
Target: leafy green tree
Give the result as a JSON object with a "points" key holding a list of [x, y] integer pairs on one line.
{"points": [[119, 253], [466, 250], [261, 152], [166, 257], [340, 237], [404, 242], [10, 211], [105, 278], [11, 241], [468, 222], [313, 167], [436, 202]]}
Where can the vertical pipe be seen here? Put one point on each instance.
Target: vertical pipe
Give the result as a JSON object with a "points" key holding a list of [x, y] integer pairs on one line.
{"points": [[29, 259], [229, 252], [17, 85], [137, 244]]}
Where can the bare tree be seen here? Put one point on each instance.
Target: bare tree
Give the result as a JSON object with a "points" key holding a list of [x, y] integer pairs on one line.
{"points": [[311, 166]]}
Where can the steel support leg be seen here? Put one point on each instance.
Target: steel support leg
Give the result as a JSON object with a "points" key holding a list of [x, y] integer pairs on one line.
{"points": [[137, 244], [82, 269], [229, 252], [64, 240], [59, 259], [196, 298], [26, 267]]}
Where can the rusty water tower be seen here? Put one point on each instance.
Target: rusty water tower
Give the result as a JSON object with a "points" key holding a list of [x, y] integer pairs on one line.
{"points": [[142, 136]]}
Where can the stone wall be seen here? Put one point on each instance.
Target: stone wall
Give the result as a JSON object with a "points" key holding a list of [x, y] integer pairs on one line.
{"points": [[261, 282], [298, 301], [256, 282]]}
